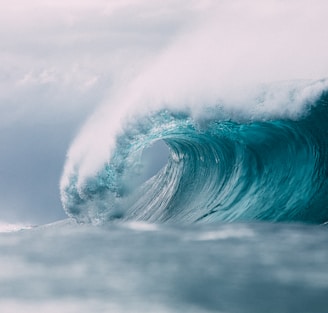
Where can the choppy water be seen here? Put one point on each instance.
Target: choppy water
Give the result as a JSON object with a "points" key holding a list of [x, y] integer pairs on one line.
{"points": [[138, 267]]}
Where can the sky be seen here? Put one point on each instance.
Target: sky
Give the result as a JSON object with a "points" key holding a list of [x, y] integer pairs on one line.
{"points": [[62, 60]]}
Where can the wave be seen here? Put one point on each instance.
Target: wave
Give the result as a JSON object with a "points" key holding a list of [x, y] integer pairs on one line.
{"points": [[255, 161]]}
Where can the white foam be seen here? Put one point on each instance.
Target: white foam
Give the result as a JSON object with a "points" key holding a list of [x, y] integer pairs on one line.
{"points": [[7, 227], [141, 226], [229, 57], [225, 234]]}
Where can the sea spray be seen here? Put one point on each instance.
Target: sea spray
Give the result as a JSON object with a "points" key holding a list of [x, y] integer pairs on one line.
{"points": [[239, 163]]}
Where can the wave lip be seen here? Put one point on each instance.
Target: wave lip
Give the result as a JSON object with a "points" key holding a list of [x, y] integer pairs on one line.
{"points": [[225, 163]]}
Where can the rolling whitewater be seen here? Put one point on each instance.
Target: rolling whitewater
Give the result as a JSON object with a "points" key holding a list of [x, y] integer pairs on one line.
{"points": [[224, 164]]}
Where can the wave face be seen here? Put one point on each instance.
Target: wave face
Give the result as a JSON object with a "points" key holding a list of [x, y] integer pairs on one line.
{"points": [[222, 167]]}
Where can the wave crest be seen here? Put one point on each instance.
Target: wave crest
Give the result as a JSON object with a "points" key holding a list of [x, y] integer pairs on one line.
{"points": [[222, 166]]}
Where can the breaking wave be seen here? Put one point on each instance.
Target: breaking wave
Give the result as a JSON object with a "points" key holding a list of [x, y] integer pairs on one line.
{"points": [[225, 162]]}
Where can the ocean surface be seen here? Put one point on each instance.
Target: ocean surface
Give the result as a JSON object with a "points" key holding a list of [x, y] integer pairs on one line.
{"points": [[180, 209], [141, 267]]}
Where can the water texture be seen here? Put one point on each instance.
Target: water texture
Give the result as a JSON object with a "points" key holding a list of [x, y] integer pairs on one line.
{"points": [[226, 163]]}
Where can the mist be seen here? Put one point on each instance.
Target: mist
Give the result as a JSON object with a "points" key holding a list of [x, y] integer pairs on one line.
{"points": [[61, 61]]}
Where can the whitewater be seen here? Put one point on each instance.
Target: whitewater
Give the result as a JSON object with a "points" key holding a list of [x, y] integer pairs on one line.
{"points": [[224, 163], [199, 182]]}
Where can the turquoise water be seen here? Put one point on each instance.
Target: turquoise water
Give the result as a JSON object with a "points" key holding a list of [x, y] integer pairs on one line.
{"points": [[222, 166]]}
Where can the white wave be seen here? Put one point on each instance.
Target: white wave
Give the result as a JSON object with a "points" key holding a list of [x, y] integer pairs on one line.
{"points": [[228, 58], [9, 227], [96, 142]]}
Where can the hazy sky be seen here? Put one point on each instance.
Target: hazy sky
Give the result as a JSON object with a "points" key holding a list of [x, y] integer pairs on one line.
{"points": [[60, 60]]}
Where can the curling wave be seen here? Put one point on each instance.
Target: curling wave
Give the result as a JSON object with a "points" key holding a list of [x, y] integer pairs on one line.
{"points": [[222, 166]]}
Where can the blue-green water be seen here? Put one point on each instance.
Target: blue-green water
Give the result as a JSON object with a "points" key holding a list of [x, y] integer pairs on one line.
{"points": [[228, 164]]}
